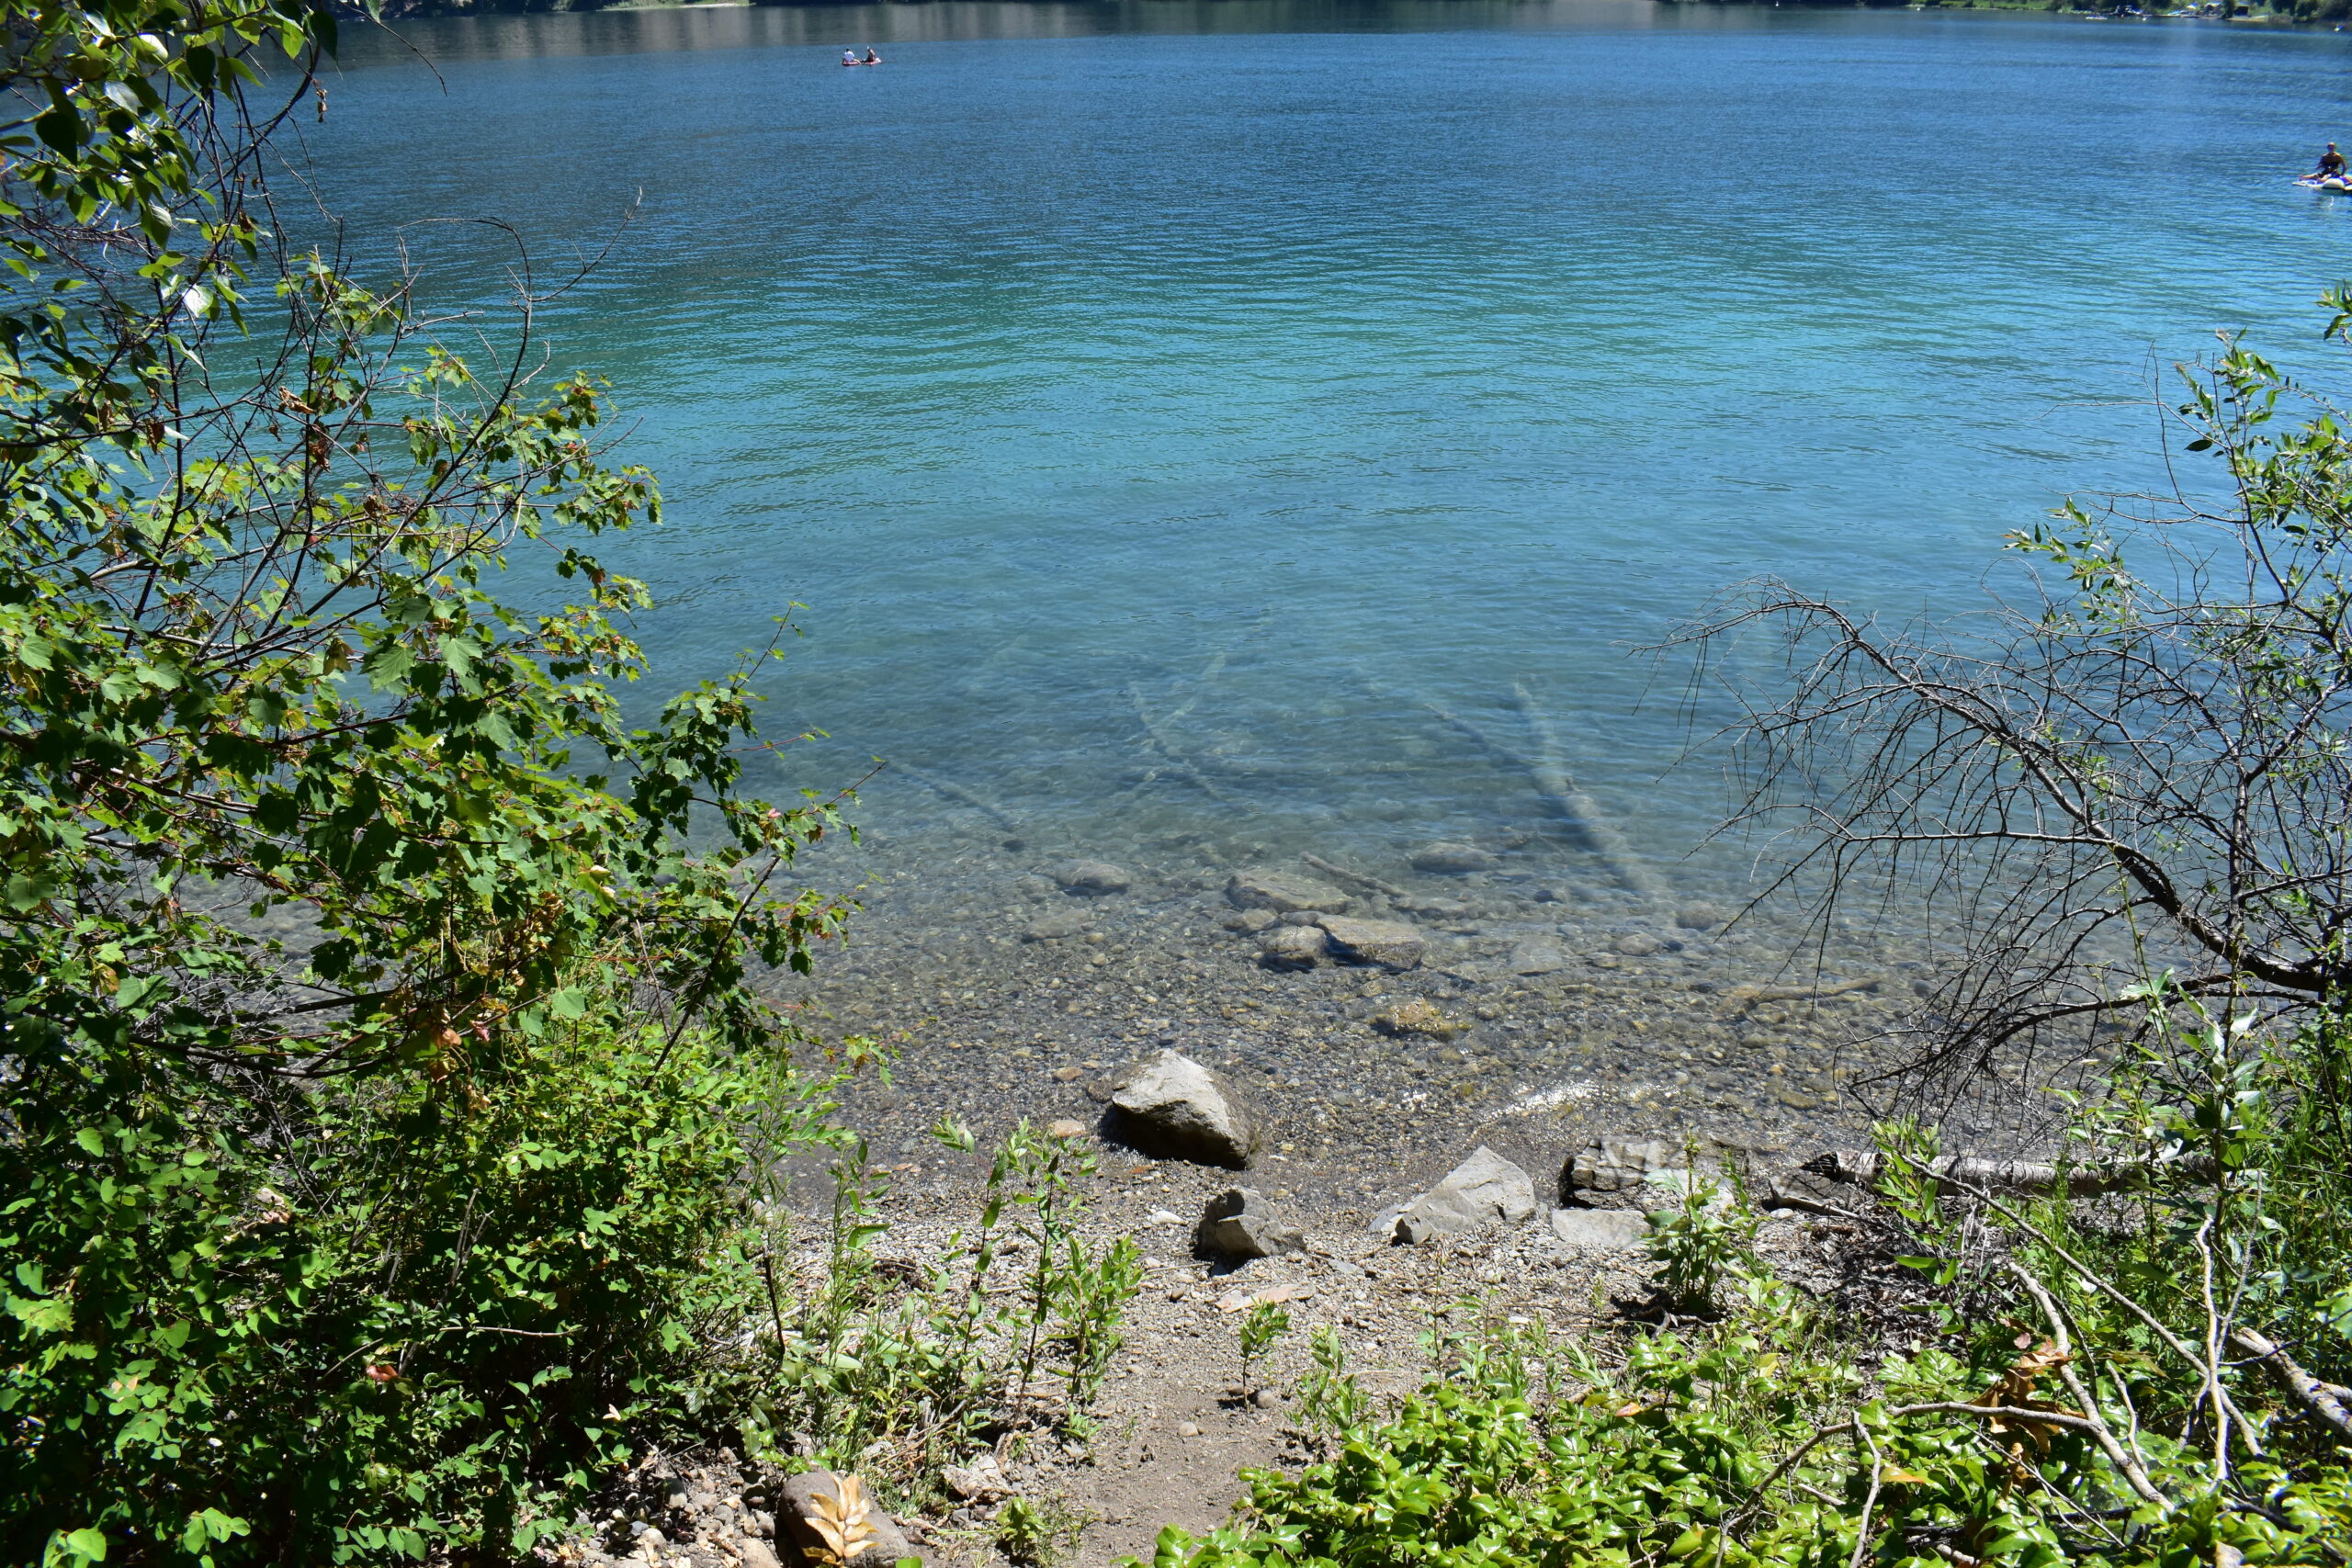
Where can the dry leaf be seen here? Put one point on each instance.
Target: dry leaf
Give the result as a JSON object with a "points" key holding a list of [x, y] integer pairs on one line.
{"points": [[841, 1520]]}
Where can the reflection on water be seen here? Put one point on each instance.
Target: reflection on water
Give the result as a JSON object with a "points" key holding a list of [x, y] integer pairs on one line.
{"points": [[953, 21]]}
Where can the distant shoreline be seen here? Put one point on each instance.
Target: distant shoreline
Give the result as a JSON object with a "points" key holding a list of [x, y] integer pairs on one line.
{"points": [[2304, 13]]}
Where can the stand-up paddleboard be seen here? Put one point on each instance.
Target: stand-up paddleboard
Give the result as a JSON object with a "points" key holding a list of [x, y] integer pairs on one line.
{"points": [[2333, 182]]}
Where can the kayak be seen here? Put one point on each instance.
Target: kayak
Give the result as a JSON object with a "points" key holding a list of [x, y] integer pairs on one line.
{"points": [[2333, 182]]}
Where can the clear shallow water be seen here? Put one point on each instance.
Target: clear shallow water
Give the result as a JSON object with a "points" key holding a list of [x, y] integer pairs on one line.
{"points": [[1158, 406]]}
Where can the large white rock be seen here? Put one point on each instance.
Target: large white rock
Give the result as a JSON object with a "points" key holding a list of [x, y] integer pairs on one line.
{"points": [[1171, 1107], [1481, 1191]]}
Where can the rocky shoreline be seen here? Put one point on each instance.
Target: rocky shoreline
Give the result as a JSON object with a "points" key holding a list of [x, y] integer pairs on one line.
{"points": [[1176, 1423], [1384, 1096], [1508, 1007]]}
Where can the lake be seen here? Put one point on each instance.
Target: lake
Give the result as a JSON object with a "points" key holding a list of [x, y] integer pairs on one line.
{"points": [[1160, 408]]}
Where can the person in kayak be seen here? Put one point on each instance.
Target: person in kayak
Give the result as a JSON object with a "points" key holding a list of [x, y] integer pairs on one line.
{"points": [[874, 58], [2331, 164], [849, 57]]}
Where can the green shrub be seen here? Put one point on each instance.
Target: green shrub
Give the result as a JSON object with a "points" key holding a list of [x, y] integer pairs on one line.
{"points": [[1747, 1443], [1010, 1329], [385, 1090], [1702, 1244]]}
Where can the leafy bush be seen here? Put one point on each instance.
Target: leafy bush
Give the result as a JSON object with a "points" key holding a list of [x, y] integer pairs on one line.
{"points": [[1748, 1442], [1010, 1329], [1702, 1244], [385, 1088]]}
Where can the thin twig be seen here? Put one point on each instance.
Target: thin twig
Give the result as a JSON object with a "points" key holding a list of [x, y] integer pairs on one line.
{"points": [[1878, 1472]]}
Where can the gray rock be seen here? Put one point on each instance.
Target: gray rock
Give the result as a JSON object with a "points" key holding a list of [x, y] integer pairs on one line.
{"points": [[1090, 877], [1056, 926], [1637, 944], [1281, 892], [1241, 1222], [1700, 916], [1553, 893], [1539, 955], [1481, 1191], [1600, 1230], [1452, 858], [1171, 1107], [1292, 947], [650, 1540], [1252, 921], [1621, 1165], [796, 1515], [755, 1552], [979, 1481], [1388, 943], [759, 1522]]}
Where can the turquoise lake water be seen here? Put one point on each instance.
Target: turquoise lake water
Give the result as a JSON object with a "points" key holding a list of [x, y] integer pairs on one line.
{"points": [[1158, 407]]}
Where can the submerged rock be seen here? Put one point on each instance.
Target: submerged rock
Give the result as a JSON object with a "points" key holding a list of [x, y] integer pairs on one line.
{"points": [[1481, 1191], [1448, 858], [1700, 916], [1417, 1015], [1241, 1223], [1250, 921], [1539, 955], [1091, 878], [1171, 1107], [1388, 943], [1292, 947], [1637, 944], [1281, 892], [1056, 926]]}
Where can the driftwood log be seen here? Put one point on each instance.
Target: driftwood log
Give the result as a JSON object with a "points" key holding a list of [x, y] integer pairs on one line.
{"points": [[1959, 1172]]}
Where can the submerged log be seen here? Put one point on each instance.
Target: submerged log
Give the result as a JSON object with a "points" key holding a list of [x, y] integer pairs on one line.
{"points": [[1182, 765], [961, 797], [1554, 784], [1749, 996], [1200, 688], [1587, 824], [1387, 889]]}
